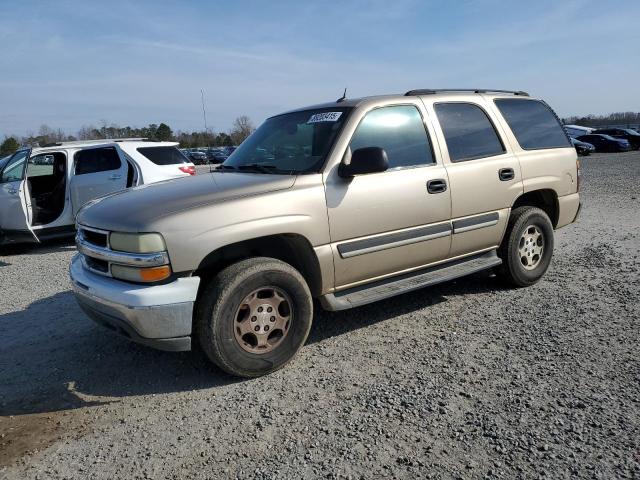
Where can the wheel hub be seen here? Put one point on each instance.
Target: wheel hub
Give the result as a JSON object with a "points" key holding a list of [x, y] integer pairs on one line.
{"points": [[263, 320], [531, 247]]}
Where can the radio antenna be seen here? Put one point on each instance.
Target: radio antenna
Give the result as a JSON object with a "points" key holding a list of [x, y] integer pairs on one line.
{"points": [[343, 97], [204, 112]]}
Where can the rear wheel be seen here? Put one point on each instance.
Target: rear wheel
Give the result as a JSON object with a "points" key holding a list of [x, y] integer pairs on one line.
{"points": [[527, 247], [253, 316]]}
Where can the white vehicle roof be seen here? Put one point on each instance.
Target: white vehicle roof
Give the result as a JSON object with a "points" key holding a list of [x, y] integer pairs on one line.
{"points": [[122, 142], [580, 127]]}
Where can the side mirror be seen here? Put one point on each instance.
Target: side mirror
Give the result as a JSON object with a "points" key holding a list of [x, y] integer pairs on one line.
{"points": [[363, 161]]}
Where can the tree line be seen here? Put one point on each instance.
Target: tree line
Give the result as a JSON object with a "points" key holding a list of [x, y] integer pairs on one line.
{"points": [[242, 127], [617, 118]]}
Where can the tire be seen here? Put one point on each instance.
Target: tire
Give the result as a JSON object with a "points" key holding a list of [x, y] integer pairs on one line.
{"points": [[523, 224], [223, 302]]}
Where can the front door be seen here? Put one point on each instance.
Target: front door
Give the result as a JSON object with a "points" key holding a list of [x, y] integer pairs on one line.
{"points": [[389, 222], [97, 171], [15, 211]]}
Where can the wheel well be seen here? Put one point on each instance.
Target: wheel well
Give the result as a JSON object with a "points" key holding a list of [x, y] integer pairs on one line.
{"points": [[546, 200], [290, 248]]}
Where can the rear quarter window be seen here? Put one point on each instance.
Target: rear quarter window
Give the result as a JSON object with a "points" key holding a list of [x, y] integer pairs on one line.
{"points": [[163, 155], [533, 123]]}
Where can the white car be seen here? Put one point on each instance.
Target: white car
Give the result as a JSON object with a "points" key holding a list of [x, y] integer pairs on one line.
{"points": [[574, 131], [42, 189]]}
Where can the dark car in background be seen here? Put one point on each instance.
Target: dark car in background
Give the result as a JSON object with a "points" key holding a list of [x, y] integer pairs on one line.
{"points": [[215, 155], [628, 134], [198, 157], [219, 154], [583, 148], [606, 143]]}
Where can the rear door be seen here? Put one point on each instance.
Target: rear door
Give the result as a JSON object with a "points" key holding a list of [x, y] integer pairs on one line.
{"points": [[97, 171], [484, 174], [15, 208]]}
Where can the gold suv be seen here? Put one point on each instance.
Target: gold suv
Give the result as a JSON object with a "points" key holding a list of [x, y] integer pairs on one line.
{"points": [[349, 202]]}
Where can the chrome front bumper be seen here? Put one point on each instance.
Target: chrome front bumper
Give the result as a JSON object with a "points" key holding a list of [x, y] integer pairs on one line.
{"points": [[159, 316]]}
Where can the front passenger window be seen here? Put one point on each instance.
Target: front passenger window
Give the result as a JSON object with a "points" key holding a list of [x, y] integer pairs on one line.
{"points": [[400, 131], [14, 169]]}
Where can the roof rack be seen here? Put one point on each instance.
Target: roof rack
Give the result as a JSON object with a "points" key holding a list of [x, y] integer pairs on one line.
{"points": [[98, 140], [433, 91]]}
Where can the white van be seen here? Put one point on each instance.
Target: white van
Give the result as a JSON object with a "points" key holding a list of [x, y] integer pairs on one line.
{"points": [[42, 189]]}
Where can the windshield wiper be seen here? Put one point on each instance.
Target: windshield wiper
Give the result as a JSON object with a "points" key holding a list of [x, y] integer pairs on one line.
{"points": [[222, 166], [258, 167]]}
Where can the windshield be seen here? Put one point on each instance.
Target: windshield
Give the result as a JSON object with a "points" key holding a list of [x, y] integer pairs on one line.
{"points": [[4, 160], [292, 143], [163, 155]]}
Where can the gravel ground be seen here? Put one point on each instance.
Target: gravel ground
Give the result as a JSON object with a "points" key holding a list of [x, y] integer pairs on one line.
{"points": [[465, 380]]}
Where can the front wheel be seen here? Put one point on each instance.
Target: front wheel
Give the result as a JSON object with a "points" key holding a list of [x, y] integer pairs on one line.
{"points": [[527, 247], [253, 316]]}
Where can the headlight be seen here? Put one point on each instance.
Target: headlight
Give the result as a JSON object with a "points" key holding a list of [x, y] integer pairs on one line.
{"points": [[144, 275], [137, 242]]}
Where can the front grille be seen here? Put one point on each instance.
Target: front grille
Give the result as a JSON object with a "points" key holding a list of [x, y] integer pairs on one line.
{"points": [[96, 238], [96, 264]]}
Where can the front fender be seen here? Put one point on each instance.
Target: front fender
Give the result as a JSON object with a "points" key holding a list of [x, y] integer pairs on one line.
{"points": [[193, 234]]}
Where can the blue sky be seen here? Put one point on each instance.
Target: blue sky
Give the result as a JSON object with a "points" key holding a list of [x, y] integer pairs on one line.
{"points": [[71, 63]]}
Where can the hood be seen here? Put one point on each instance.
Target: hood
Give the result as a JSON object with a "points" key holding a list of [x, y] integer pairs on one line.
{"points": [[130, 210]]}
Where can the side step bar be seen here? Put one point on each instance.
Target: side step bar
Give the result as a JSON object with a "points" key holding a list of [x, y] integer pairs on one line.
{"points": [[389, 287]]}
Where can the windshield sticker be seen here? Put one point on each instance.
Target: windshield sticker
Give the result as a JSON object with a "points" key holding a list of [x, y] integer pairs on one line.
{"points": [[324, 117]]}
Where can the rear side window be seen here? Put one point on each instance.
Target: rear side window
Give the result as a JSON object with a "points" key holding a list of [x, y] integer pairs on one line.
{"points": [[468, 131], [533, 123], [163, 155], [400, 131], [96, 160]]}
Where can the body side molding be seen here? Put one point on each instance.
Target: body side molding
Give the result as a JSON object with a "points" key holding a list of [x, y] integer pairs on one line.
{"points": [[391, 240], [480, 221]]}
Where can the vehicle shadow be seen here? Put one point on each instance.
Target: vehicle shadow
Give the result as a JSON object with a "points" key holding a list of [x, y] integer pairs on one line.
{"points": [[50, 246], [331, 324], [52, 358]]}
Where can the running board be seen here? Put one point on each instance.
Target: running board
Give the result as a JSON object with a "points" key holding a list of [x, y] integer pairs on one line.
{"points": [[389, 287]]}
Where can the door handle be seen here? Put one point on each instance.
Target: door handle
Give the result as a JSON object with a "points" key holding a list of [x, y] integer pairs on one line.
{"points": [[436, 186], [506, 174], [115, 176]]}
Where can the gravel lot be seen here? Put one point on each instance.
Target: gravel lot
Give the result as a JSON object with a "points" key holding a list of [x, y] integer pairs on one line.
{"points": [[464, 380]]}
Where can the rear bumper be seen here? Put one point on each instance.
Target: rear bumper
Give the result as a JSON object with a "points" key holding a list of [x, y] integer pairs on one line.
{"points": [[568, 208], [578, 212], [159, 316]]}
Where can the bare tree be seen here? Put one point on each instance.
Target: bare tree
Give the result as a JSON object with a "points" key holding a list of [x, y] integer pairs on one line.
{"points": [[46, 134], [86, 132], [242, 128]]}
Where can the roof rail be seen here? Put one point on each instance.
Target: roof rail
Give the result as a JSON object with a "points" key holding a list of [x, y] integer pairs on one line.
{"points": [[433, 91], [97, 140]]}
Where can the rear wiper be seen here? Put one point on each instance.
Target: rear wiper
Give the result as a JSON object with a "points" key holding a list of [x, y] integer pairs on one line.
{"points": [[258, 167]]}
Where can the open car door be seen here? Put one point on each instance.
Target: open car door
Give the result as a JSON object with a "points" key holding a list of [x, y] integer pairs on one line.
{"points": [[15, 200], [97, 171]]}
